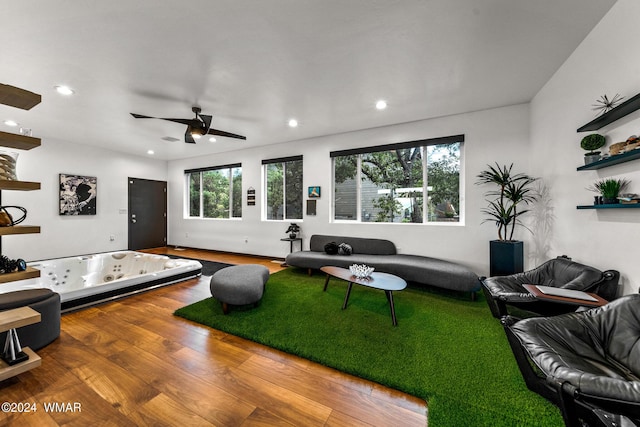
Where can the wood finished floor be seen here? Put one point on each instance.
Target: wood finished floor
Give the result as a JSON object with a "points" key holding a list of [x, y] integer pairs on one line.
{"points": [[132, 363]]}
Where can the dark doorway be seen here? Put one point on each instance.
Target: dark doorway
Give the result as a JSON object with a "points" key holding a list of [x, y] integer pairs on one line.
{"points": [[147, 213]]}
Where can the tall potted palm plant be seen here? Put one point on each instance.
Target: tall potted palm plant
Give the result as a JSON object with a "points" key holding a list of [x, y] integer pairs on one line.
{"points": [[507, 202]]}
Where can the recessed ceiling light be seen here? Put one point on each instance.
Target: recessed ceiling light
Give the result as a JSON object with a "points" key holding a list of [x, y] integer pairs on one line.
{"points": [[10, 123], [196, 136], [150, 152], [64, 90], [293, 123], [212, 139], [381, 104]]}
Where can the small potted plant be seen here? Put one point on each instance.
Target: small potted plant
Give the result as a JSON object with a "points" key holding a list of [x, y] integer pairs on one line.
{"points": [[591, 143], [609, 189], [293, 230]]}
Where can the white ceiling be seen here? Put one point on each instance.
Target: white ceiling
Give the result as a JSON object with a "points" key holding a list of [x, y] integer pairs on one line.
{"points": [[255, 64]]}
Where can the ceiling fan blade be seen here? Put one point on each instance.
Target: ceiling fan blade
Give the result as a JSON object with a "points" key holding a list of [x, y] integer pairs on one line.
{"points": [[227, 134], [188, 122], [187, 136], [207, 123]]}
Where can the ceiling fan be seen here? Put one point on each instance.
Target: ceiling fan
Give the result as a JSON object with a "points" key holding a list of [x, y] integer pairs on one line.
{"points": [[196, 127]]}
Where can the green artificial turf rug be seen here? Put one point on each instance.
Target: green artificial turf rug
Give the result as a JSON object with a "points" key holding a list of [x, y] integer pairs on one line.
{"points": [[446, 349]]}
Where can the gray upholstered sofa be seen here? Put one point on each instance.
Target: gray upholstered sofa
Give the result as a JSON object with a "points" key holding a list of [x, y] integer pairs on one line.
{"points": [[382, 255]]}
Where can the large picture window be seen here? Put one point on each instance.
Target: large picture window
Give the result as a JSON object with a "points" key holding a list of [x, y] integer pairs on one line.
{"points": [[283, 188], [215, 192], [411, 182]]}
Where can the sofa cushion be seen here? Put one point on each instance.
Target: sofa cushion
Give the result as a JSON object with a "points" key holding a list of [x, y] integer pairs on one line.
{"points": [[331, 248], [15, 299], [358, 245]]}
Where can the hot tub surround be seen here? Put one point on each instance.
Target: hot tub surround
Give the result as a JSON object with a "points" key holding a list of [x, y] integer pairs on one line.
{"points": [[86, 279]]}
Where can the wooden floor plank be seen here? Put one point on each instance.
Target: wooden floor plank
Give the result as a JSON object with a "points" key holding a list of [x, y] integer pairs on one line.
{"points": [[131, 362]]}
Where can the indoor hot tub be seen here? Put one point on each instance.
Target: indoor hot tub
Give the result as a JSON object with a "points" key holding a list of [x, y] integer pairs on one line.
{"points": [[87, 279]]}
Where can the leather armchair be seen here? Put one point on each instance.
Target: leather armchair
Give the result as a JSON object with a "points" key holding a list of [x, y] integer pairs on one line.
{"points": [[587, 362], [560, 272]]}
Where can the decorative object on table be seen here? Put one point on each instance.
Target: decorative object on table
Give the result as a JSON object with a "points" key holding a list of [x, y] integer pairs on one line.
{"points": [[591, 143], [10, 265], [504, 210], [8, 160], [344, 249], [314, 192], [6, 219], [78, 194], [361, 270], [609, 189], [251, 197], [604, 104], [293, 230]]}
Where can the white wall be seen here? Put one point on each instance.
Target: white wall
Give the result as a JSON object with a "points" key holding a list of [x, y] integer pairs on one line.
{"points": [[500, 135], [607, 62], [74, 235]]}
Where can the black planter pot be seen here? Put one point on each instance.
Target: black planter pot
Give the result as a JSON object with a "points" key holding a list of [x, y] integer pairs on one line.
{"points": [[506, 257]]}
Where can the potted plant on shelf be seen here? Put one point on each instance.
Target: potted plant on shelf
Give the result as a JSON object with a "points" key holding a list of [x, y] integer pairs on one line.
{"points": [[293, 230], [591, 143], [609, 189], [510, 192]]}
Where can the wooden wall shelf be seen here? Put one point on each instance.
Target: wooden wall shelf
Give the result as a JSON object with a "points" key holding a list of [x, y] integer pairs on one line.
{"points": [[12, 319], [7, 371], [19, 98], [19, 142], [19, 229], [19, 185], [627, 107], [29, 273], [612, 206]]}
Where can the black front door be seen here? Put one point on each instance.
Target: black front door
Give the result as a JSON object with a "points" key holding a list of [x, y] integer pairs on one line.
{"points": [[147, 213]]}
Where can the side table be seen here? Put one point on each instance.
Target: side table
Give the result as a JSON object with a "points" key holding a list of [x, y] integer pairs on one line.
{"points": [[291, 241]]}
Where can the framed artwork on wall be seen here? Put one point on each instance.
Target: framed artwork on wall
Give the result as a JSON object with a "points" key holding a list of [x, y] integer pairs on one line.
{"points": [[78, 194], [314, 192]]}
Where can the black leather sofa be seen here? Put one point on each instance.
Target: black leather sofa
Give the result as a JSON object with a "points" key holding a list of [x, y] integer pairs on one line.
{"points": [[382, 255], [587, 362], [560, 272]]}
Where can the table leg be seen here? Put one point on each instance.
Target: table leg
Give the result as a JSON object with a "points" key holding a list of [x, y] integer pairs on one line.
{"points": [[326, 282], [391, 306], [346, 297]]}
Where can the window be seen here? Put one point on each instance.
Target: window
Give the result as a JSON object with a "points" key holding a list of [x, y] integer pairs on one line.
{"points": [[411, 182], [215, 192], [283, 188]]}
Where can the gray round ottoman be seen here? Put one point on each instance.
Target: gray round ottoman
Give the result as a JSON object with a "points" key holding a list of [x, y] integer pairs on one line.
{"points": [[239, 285]]}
